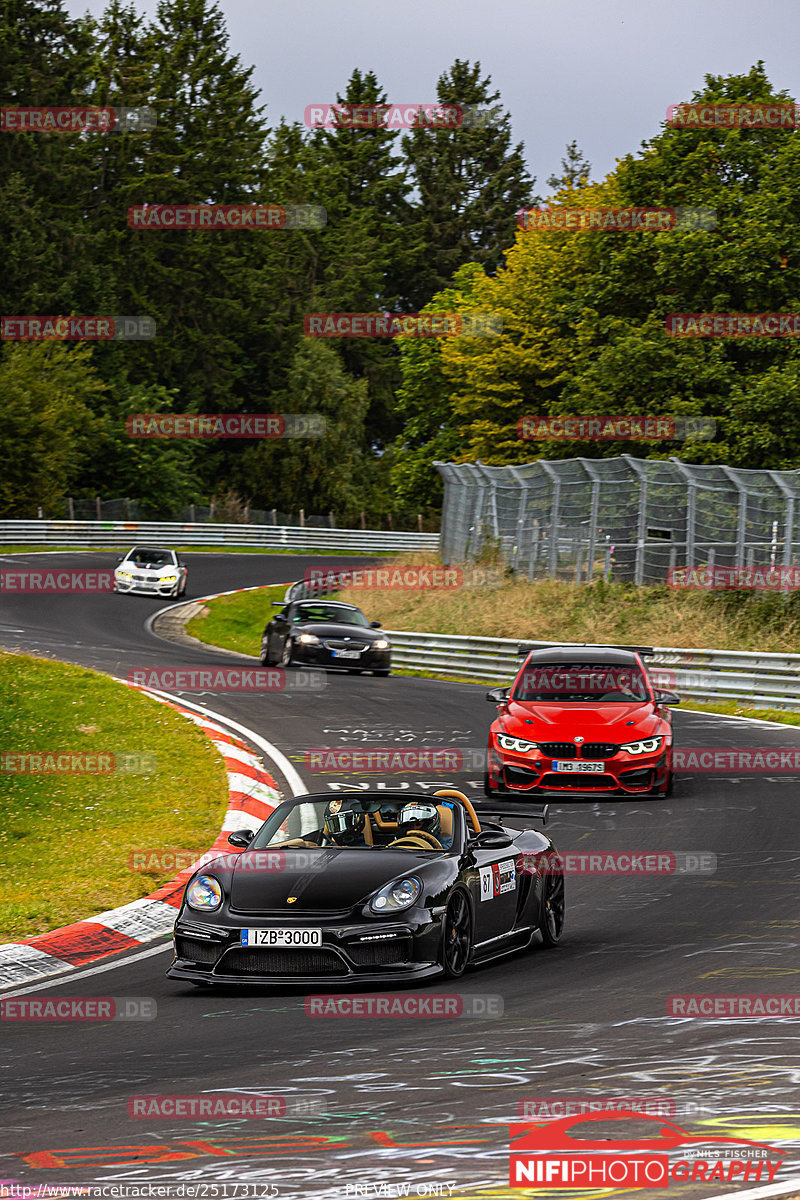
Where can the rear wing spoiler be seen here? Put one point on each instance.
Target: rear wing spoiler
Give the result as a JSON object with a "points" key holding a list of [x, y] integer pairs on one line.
{"points": [[513, 809], [526, 647]]}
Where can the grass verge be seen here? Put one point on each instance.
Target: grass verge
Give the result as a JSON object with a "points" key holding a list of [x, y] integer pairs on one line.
{"points": [[65, 838], [237, 622]]}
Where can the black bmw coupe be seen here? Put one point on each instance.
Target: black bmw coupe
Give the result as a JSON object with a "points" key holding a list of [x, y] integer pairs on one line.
{"points": [[362, 887], [325, 633]]}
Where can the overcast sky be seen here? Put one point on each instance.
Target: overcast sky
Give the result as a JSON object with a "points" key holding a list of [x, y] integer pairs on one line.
{"points": [[601, 71]]}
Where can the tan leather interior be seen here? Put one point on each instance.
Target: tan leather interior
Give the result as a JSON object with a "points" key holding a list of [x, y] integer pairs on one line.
{"points": [[456, 795]]}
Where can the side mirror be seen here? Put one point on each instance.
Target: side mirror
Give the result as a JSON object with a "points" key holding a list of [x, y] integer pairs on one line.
{"points": [[121, 558], [241, 837], [666, 697], [180, 564], [277, 603], [374, 624], [491, 839], [498, 695]]}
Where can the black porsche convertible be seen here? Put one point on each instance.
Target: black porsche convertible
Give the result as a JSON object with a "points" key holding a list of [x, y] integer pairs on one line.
{"points": [[369, 886]]}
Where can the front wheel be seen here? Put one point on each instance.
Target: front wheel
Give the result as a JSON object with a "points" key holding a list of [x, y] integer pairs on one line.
{"points": [[286, 653], [383, 674], [265, 656], [456, 936], [552, 925]]}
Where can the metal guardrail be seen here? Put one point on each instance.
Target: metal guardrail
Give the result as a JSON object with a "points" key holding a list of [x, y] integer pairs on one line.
{"points": [[758, 678], [763, 680], [174, 533]]}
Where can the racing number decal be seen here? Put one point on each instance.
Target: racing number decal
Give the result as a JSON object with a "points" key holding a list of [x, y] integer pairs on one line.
{"points": [[498, 879]]}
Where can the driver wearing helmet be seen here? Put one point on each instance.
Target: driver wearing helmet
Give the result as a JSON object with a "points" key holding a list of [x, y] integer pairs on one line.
{"points": [[419, 816], [344, 824]]}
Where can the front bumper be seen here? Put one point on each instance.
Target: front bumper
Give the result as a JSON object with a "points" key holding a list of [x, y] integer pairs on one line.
{"points": [[323, 656], [351, 953], [144, 588], [625, 774]]}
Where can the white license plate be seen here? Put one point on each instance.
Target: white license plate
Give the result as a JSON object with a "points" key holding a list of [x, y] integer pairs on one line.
{"points": [[346, 653], [282, 937], [580, 768]]}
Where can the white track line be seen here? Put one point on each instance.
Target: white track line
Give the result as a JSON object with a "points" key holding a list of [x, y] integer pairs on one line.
{"points": [[788, 1187], [295, 783], [61, 978]]}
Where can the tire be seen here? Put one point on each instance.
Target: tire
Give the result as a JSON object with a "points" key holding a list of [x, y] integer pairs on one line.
{"points": [[286, 654], [665, 792], [487, 791], [382, 674], [456, 936], [264, 655], [552, 925]]}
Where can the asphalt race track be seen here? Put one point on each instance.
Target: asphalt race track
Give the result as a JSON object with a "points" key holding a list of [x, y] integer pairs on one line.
{"points": [[423, 1102]]}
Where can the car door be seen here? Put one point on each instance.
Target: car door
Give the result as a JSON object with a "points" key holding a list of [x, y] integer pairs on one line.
{"points": [[278, 629], [495, 892]]}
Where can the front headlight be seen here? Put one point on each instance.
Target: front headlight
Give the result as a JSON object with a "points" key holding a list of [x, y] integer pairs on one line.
{"points": [[169, 579], [648, 746], [512, 743], [123, 574], [381, 644], [204, 893], [308, 639], [396, 896]]}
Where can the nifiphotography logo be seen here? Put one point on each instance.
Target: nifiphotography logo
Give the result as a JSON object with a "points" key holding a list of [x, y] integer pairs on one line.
{"points": [[545, 1155]]}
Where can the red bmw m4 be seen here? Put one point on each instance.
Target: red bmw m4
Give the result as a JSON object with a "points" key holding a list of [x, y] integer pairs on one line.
{"points": [[582, 720]]}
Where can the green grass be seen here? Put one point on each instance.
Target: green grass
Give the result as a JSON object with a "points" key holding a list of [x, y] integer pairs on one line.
{"points": [[237, 622], [65, 838]]}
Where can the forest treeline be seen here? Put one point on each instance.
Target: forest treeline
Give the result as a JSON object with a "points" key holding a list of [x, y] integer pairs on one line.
{"points": [[417, 220]]}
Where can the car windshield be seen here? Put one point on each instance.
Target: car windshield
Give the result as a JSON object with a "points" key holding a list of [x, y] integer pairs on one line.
{"points": [[573, 682], [353, 822], [330, 613], [150, 558]]}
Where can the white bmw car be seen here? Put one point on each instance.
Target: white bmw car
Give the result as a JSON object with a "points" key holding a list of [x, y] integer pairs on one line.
{"points": [[151, 572]]}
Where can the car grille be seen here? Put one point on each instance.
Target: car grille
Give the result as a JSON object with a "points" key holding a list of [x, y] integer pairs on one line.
{"points": [[257, 961], [558, 749], [598, 750], [578, 783], [380, 953], [332, 644], [571, 750], [197, 951], [519, 777]]}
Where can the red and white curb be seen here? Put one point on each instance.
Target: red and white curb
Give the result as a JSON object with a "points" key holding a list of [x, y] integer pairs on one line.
{"points": [[253, 794]]}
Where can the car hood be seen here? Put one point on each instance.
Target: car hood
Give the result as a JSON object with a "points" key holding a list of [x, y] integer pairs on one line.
{"points": [[332, 880], [595, 722], [329, 629], [167, 569]]}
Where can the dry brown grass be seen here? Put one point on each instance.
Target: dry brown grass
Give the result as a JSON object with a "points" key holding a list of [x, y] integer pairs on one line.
{"points": [[598, 612]]}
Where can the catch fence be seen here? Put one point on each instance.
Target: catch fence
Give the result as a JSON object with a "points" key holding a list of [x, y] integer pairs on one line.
{"points": [[628, 519]]}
